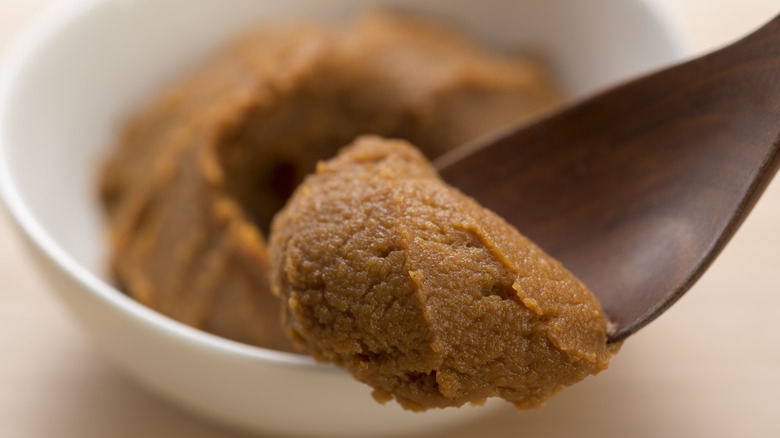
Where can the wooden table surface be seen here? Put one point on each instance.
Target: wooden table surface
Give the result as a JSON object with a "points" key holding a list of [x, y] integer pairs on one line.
{"points": [[710, 367]]}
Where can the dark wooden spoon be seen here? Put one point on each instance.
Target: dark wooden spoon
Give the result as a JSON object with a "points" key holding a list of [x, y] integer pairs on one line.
{"points": [[638, 189]]}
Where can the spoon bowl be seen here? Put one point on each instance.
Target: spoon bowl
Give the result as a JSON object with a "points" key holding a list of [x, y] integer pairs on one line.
{"points": [[638, 189]]}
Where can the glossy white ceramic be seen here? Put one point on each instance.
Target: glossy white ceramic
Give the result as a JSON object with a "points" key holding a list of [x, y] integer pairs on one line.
{"points": [[69, 81]]}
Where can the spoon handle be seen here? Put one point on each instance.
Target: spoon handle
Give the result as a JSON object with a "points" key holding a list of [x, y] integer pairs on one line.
{"points": [[638, 189]]}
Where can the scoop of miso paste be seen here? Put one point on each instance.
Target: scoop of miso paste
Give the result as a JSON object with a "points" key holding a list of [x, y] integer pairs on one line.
{"points": [[420, 292]]}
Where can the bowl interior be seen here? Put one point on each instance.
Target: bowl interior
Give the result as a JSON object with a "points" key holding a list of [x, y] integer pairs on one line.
{"points": [[74, 77]]}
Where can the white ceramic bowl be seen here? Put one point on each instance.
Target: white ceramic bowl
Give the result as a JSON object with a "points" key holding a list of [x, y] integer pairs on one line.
{"points": [[71, 79]]}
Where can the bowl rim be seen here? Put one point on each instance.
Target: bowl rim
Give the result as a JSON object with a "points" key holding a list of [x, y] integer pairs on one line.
{"points": [[56, 18], [50, 22]]}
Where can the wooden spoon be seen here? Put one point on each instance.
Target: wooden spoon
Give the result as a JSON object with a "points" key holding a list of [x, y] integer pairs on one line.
{"points": [[638, 189]]}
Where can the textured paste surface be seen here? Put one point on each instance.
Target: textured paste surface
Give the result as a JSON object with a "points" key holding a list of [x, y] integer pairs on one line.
{"points": [[423, 294], [195, 179]]}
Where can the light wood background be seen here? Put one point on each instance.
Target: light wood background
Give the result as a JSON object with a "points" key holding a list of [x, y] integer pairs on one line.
{"points": [[710, 367]]}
